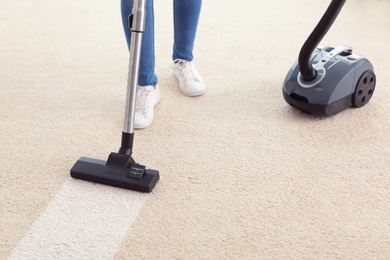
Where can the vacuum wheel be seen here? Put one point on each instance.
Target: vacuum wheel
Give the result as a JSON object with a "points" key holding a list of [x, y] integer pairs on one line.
{"points": [[364, 89]]}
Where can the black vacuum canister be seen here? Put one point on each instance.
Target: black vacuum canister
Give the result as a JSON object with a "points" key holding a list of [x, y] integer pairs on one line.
{"points": [[326, 80], [343, 79]]}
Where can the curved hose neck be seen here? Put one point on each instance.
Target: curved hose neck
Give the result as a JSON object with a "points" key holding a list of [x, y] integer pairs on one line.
{"points": [[305, 67]]}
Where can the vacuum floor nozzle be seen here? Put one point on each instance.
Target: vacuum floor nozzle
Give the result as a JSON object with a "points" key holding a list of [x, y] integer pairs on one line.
{"points": [[118, 171]]}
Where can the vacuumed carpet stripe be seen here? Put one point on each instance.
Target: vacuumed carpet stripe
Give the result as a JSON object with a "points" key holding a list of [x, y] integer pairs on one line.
{"points": [[92, 215]]}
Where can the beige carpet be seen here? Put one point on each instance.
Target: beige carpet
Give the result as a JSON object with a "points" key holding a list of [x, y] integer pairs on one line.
{"points": [[243, 175]]}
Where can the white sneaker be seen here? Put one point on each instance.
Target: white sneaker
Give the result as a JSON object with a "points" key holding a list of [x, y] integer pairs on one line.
{"points": [[190, 82], [147, 97]]}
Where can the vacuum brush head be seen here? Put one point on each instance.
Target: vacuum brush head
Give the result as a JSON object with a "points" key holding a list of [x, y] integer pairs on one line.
{"points": [[119, 171]]}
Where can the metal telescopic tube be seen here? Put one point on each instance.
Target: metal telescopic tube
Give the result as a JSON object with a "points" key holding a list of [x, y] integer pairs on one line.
{"points": [[137, 23]]}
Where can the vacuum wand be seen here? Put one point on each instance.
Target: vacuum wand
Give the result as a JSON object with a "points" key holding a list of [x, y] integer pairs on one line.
{"points": [[305, 67], [120, 170], [137, 27]]}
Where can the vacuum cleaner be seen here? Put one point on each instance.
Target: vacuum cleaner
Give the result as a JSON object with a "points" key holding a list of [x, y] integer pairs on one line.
{"points": [[325, 80], [120, 170]]}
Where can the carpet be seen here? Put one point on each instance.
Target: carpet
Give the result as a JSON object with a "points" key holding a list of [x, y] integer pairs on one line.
{"points": [[243, 174]]}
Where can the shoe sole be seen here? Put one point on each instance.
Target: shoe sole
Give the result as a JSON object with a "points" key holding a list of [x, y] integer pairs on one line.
{"points": [[193, 94]]}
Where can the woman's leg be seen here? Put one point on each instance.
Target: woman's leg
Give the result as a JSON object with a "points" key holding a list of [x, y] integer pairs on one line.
{"points": [[186, 16], [147, 74]]}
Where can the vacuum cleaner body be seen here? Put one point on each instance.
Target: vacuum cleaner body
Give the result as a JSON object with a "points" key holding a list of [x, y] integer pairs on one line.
{"points": [[326, 80], [344, 79]]}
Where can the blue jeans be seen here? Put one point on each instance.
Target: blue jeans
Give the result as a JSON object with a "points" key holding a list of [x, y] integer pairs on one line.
{"points": [[185, 16]]}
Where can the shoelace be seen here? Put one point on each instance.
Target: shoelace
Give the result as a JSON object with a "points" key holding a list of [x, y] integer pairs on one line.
{"points": [[143, 100], [186, 69]]}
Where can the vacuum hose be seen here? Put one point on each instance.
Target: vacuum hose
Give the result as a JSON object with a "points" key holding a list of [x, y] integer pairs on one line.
{"points": [[307, 71]]}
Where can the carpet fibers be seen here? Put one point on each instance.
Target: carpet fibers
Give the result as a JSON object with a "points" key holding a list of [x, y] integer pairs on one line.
{"points": [[243, 174]]}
